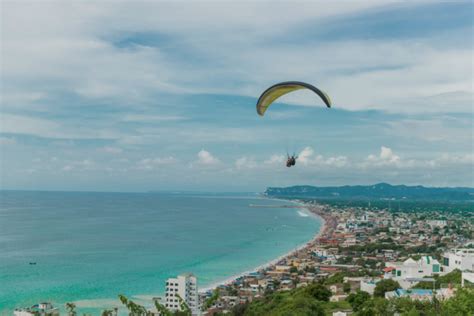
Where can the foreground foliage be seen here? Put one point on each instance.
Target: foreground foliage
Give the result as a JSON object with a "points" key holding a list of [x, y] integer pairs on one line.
{"points": [[310, 300], [138, 310], [313, 300], [453, 277]]}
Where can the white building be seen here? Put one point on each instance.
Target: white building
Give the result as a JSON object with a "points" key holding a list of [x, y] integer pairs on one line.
{"points": [[467, 279], [368, 285], [460, 258], [184, 286], [41, 309], [409, 272], [437, 223]]}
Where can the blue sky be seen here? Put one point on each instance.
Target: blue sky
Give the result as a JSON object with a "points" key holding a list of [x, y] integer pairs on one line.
{"points": [[137, 96]]}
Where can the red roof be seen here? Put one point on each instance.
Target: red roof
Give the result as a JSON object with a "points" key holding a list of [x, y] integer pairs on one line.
{"points": [[388, 269]]}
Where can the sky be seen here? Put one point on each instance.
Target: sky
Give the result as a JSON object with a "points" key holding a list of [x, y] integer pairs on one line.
{"points": [[139, 96]]}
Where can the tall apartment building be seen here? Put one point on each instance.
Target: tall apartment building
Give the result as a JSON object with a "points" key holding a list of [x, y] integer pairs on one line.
{"points": [[185, 286]]}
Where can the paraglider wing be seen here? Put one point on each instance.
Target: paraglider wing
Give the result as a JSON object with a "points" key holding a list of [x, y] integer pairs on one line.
{"points": [[282, 88]]}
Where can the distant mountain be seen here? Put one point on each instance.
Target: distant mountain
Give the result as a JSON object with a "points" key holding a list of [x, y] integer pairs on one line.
{"points": [[376, 191]]}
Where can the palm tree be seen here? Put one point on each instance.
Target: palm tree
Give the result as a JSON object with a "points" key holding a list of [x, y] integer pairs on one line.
{"points": [[183, 306], [71, 309], [138, 310], [133, 308]]}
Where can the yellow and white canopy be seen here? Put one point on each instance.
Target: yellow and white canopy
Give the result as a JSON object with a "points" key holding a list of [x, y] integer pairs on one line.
{"points": [[282, 88]]}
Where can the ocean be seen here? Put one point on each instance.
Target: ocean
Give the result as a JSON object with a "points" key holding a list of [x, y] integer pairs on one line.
{"points": [[87, 247]]}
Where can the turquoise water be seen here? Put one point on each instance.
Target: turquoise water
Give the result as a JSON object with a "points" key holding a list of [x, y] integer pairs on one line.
{"points": [[89, 247]]}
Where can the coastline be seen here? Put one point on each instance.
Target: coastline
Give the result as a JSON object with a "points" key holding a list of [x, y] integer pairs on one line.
{"points": [[254, 260], [314, 210]]}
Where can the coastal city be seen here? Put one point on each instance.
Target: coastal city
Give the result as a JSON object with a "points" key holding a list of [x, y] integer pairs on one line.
{"points": [[236, 158], [362, 257]]}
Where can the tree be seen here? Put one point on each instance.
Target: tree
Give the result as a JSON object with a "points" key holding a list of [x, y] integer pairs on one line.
{"points": [[211, 300], [461, 304], [412, 312], [357, 300], [300, 306], [138, 310], [185, 310], [453, 277], [346, 287], [133, 308], [319, 292], [71, 309], [239, 309], [335, 278], [385, 286], [108, 312]]}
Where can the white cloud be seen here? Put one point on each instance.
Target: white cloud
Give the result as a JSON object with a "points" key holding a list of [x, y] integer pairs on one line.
{"points": [[445, 128], [67, 168], [7, 141], [275, 159], [305, 155], [81, 165], [155, 163], [386, 157], [77, 55], [151, 118], [245, 163], [112, 150], [453, 159], [17, 124], [339, 161], [206, 158], [27, 125]]}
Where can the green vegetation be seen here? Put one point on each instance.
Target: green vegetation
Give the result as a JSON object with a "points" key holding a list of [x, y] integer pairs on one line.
{"points": [[71, 309], [465, 208], [135, 309], [346, 287], [211, 300], [453, 278], [385, 286], [302, 301], [380, 190], [459, 305], [357, 300], [335, 278], [109, 312], [310, 300]]}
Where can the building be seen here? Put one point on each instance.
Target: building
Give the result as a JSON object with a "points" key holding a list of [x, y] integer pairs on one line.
{"points": [[41, 309], [185, 287], [459, 258], [368, 285], [437, 223], [467, 279], [409, 272]]}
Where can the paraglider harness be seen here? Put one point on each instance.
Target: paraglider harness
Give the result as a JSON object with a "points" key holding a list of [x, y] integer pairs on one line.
{"points": [[291, 161]]}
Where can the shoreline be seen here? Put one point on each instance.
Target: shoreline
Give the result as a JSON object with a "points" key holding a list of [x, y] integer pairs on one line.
{"points": [[313, 210]]}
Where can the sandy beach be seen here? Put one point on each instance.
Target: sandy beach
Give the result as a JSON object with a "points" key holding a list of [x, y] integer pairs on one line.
{"points": [[314, 210]]}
